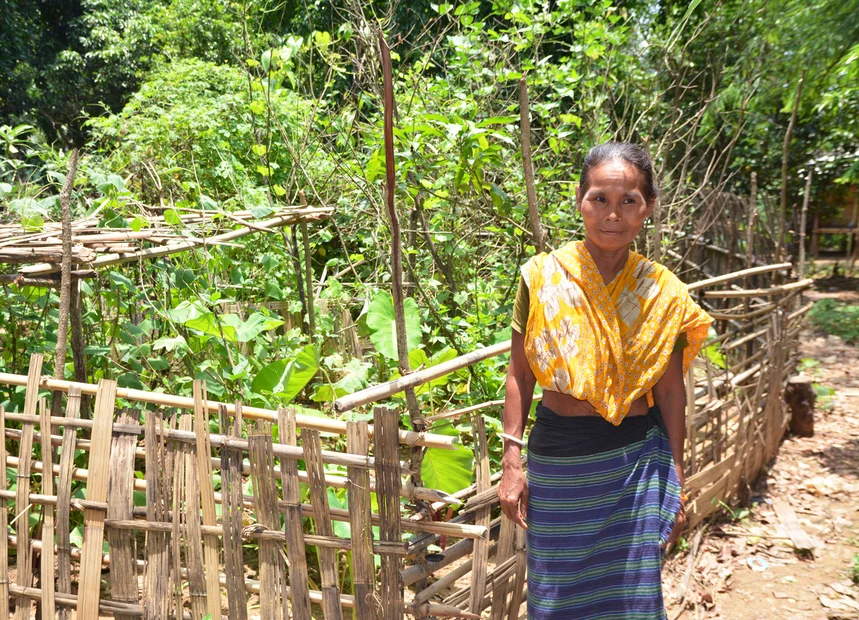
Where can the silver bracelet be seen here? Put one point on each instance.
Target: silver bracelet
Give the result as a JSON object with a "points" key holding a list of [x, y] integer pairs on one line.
{"points": [[515, 440]]}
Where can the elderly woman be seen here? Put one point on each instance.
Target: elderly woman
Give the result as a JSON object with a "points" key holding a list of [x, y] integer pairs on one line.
{"points": [[608, 335]]}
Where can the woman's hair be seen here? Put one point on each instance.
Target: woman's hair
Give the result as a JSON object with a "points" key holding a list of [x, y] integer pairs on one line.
{"points": [[624, 151]]}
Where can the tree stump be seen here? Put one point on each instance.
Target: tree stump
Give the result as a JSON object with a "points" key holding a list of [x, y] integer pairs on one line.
{"points": [[800, 396]]}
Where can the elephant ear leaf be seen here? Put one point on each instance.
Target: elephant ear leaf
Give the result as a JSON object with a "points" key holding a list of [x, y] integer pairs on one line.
{"points": [[382, 324], [286, 378], [447, 470]]}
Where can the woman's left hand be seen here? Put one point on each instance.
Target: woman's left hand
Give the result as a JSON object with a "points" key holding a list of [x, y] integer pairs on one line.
{"points": [[679, 525]]}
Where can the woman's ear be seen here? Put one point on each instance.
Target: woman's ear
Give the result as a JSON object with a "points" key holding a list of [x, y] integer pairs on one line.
{"points": [[651, 204], [580, 193]]}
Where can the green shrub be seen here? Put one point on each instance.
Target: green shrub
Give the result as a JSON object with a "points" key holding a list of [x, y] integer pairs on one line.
{"points": [[837, 318]]}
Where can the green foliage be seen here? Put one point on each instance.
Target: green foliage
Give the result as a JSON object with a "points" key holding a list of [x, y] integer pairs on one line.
{"points": [[854, 569], [836, 318], [287, 377], [382, 324], [447, 470]]}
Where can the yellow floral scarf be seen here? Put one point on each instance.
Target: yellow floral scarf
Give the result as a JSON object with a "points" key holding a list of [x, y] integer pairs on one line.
{"points": [[606, 343]]}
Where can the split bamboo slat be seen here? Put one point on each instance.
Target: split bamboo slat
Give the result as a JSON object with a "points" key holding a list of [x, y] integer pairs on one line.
{"points": [[156, 581], [388, 482], [49, 606], [64, 495], [358, 442], [231, 488], [481, 547], [211, 544], [291, 509], [4, 527], [89, 590]]}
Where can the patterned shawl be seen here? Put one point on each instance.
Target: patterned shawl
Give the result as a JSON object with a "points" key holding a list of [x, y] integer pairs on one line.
{"points": [[606, 343]]}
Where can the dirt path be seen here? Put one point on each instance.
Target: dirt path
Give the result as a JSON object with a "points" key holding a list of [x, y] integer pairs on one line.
{"points": [[818, 477]]}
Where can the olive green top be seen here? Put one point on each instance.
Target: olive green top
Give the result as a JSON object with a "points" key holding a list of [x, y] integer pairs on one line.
{"points": [[523, 301]]}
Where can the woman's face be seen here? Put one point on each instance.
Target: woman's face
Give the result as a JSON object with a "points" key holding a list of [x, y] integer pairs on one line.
{"points": [[613, 206]]}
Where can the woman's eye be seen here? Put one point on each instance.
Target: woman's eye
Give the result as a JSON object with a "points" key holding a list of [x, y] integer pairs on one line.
{"points": [[600, 199]]}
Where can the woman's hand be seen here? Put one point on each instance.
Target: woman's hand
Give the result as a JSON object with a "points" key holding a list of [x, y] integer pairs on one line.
{"points": [[679, 525], [513, 493]]}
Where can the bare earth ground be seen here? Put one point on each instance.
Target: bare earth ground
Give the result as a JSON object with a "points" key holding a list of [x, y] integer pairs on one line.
{"points": [[819, 478]]}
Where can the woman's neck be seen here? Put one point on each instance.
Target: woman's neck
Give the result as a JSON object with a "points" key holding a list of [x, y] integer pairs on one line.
{"points": [[609, 262]]}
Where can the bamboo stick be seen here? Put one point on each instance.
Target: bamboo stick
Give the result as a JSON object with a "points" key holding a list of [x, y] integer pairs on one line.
{"points": [[762, 292], [24, 556], [4, 519], [123, 571], [361, 531], [520, 549], [388, 481], [207, 500], [231, 490], [49, 608], [291, 509], [525, 142], [736, 275], [193, 533], [89, 588], [481, 547], [156, 578], [384, 390], [322, 524], [64, 492], [327, 425]]}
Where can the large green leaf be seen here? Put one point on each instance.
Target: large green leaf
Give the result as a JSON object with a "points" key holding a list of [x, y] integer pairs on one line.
{"points": [[195, 316], [447, 470], [382, 324], [354, 379], [285, 378], [253, 327]]}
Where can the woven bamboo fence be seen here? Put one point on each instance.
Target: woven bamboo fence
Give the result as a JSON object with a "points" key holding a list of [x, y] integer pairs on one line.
{"points": [[167, 511]]}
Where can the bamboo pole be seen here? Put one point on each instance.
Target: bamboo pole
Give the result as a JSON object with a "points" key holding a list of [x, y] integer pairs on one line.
{"points": [[49, 608], [429, 440], [780, 232], [203, 455], [736, 275], [4, 519], [763, 292]]}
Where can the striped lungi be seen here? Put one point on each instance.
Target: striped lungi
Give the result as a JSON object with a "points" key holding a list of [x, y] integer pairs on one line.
{"points": [[602, 502]]}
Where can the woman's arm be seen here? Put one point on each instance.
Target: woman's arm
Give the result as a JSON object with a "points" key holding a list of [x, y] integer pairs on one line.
{"points": [[513, 489], [669, 393]]}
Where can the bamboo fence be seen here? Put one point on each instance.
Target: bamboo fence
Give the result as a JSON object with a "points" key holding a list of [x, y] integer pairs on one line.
{"points": [[166, 509]]}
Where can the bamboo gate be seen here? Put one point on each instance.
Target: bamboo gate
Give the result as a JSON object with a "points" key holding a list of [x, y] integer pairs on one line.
{"points": [[160, 541]]}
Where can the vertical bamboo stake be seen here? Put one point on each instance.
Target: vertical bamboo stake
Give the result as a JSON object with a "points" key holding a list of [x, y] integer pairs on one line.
{"points": [[531, 192], [322, 522], [24, 561], [177, 452], [357, 442], [299, 589], [211, 544], [156, 579], [780, 241], [64, 496], [521, 549], [89, 589], [197, 586], [78, 345], [49, 608], [123, 569], [4, 519], [481, 546], [265, 505], [503, 552], [690, 422], [65, 279], [231, 510], [388, 484], [418, 423], [803, 219]]}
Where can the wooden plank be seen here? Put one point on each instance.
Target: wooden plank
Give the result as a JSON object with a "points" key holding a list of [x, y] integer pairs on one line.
{"points": [[123, 568], [49, 607], [64, 496], [271, 577], [89, 588], [358, 442], [231, 489], [24, 556], [787, 517], [156, 580], [4, 519], [193, 538], [322, 523], [299, 590], [481, 517], [388, 483], [211, 544]]}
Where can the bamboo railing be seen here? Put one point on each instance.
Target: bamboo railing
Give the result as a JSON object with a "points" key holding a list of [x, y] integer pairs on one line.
{"points": [[169, 498]]}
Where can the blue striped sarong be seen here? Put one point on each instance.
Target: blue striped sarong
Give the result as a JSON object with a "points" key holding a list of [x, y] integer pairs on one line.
{"points": [[597, 518]]}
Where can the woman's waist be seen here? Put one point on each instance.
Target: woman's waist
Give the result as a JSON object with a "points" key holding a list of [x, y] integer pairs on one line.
{"points": [[567, 406]]}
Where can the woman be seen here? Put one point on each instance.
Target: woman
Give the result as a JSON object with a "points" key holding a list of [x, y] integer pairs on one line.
{"points": [[608, 336]]}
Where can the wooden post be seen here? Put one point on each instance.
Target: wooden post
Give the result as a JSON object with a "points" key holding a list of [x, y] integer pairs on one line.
{"points": [[481, 547], [211, 544], [156, 579], [388, 483], [802, 222], [525, 140], [231, 512], [308, 268]]}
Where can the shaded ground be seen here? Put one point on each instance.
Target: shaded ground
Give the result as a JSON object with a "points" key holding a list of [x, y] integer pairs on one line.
{"points": [[816, 476]]}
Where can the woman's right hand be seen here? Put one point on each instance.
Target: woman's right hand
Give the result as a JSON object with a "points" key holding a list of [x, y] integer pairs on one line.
{"points": [[513, 493]]}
